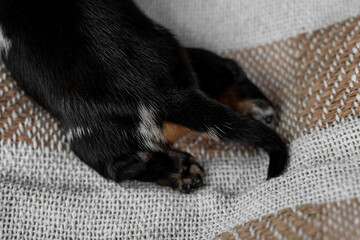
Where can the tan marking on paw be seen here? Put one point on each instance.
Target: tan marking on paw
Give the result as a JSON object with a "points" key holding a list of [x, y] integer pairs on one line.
{"points": [[173, 132], [194, 169]]}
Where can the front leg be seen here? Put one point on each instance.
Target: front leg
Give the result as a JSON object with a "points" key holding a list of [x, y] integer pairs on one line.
{"points": [[175, 169], [118, 155], [224, 80]]}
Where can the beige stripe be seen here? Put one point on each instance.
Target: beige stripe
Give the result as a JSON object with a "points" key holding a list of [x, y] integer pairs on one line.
{"points": [[24, 121], [337, 220]]}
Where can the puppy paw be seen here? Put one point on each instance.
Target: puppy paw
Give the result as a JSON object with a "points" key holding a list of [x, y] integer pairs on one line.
{"points": [[263, 111], [190, 174], [191, 177], [257, 108]]}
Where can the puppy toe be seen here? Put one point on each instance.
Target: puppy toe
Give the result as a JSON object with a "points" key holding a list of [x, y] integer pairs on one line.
{"points": [[190, 174], [192, 178], [190, 182]]}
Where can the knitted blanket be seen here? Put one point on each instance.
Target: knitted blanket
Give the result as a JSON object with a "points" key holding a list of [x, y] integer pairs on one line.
{"points": [[313, 78]]}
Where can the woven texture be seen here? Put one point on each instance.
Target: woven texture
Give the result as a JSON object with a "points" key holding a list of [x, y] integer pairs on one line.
{"points": [[47, 193], [337, 220], [242, 24]]}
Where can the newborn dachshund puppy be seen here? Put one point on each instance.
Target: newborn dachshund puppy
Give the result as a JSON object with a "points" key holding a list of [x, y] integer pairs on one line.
{"points": [[118, 82]]}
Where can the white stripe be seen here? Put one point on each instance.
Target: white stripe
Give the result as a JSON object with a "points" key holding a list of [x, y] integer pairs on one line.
{"points": [[220, 25], [150, 133], [5, 43], [78, 132]]}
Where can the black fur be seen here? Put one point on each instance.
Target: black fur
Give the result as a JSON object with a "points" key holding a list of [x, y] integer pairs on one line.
{"points": [[96, 64]]}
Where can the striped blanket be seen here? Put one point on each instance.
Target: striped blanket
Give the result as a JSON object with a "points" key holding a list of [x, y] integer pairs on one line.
{"points": [[304, 55]]}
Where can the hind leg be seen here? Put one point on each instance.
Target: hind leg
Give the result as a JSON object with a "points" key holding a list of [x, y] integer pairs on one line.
{"points": [[224, 80], [196, 111]]}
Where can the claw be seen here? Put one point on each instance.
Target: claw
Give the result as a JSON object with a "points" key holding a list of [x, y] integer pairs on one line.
{"points": [[186, 187]]}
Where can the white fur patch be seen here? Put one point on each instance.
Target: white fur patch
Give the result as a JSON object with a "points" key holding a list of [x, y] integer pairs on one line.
{"points": [[259, 113], [5, 43], [143, 156], [77, 132], [213, 132], [149, 131], [266, 112], [263, 112]]}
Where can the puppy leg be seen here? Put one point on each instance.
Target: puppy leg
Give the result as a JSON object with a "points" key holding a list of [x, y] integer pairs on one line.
{"points": [[120, 153], [169, 168], [200, 113], [224, 80]]}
